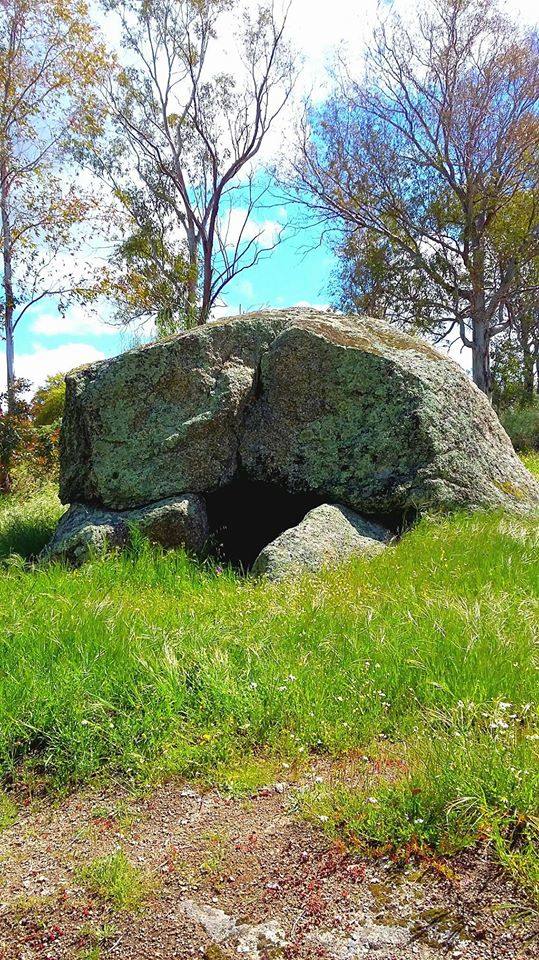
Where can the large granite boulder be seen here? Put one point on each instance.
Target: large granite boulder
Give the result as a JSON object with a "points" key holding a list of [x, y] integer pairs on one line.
{"points": [[345, 409], [161, 419], [83, 530], [328, 535]]}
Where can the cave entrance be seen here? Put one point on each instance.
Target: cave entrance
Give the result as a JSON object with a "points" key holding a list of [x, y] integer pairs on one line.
{"points": [[245, 516]]}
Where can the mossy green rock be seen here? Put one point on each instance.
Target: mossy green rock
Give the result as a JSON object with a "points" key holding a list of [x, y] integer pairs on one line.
{"points": [[84, 530], [346, 408]]}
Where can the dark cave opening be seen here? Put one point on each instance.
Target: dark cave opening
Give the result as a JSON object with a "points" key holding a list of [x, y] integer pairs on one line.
{"points": [[246, 515]]}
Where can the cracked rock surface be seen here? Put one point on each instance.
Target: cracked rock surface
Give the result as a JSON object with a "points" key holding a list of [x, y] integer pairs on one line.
{"points": [[346, 408]]}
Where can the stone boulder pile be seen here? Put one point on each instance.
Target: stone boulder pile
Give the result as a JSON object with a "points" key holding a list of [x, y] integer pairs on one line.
{"points": [[238, 429]]}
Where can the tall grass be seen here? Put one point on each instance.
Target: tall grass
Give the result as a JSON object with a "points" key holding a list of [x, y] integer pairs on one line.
{"points": [[147, 664], [27, 525]]}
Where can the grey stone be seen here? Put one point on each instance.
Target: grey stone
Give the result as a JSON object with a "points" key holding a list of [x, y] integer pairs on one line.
{"points": [[364, 415], [252, 941], [346, 408], [175, 522], [328, 535], [162, 418]]}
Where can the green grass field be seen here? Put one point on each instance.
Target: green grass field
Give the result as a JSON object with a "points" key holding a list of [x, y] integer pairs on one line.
{"points": [[423, 660]]}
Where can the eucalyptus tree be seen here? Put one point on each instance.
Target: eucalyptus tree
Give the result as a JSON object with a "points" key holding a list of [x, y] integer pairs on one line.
{"points": [[51, 65], [420, 157], [201, 87]]}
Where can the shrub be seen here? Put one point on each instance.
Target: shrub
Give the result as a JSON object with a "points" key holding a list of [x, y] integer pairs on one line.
{"points": [[522, 425], [28, 450]]}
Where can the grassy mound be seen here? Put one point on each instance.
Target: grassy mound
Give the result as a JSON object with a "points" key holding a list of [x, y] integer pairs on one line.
{"points": [[421, 664]]}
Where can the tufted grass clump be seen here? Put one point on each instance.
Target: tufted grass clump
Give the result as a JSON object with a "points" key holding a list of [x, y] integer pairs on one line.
{"points": [[115, 879], [147, 665]]}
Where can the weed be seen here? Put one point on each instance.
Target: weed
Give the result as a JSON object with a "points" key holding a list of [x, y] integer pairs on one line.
{"points": [[8, 812], [99, 935], [92, 953], [115, 879]]}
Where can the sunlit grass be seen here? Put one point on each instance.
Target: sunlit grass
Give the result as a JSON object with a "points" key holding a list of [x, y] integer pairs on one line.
{"points": [[8, 812], [531, 460], [149, 665], [27, 525], [115, 879]]}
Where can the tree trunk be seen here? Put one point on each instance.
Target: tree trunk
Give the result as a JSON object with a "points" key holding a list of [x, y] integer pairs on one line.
{"points": [[481, 355], [9, 300], [192, 311], [480, 322], [528, 373], [206, 285]]}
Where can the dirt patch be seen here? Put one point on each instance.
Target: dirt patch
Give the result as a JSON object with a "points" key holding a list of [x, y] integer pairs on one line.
{"points": [[236, 877]]}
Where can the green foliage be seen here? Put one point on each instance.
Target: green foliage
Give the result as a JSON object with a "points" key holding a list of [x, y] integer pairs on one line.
{"points": [[115, 879], [522, 425], [27, 525], [28, 450], [48, 402], [151, 278]]}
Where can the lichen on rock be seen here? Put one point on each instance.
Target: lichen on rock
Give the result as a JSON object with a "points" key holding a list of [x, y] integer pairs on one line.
{"points": [[328, 535], [341, 410], [84, 530]]}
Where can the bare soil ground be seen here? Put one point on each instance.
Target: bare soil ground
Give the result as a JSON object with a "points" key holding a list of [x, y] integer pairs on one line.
{"points": [[233, 877]]}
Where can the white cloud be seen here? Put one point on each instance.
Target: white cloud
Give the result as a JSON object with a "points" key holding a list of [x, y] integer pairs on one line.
{"points": [[78, 321], [236, 223], [44, 361]]}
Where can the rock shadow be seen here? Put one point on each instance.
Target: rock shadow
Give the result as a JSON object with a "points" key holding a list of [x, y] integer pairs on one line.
{"points": [[245, 515]]}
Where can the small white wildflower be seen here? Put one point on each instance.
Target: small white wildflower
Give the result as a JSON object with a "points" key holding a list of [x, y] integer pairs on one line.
{"points": [[372, 800], [253, 684]]}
